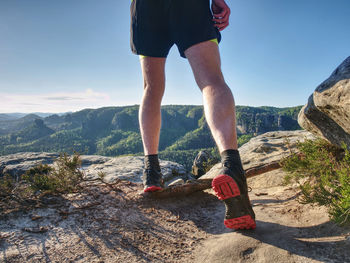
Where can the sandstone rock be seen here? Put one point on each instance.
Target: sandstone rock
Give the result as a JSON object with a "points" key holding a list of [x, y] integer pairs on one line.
{"points": [[327, 113], [114, 168], [130, 168], [178, 181], [202, 160], [266, 150], [17, 164]]}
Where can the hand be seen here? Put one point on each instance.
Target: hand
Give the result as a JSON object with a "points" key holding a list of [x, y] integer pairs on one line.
{"points": [[221, 13]]}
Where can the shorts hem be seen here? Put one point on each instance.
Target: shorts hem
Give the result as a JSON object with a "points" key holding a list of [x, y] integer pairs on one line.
{"points": [[193, 43], [147, 54]]}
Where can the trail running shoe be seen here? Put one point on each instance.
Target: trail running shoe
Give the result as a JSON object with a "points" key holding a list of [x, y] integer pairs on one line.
{"points": [[152, 180], [233, 190]]}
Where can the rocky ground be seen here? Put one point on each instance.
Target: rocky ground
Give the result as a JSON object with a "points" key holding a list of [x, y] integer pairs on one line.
{"points": [[114, 222], [125, 168], [287, 231]]}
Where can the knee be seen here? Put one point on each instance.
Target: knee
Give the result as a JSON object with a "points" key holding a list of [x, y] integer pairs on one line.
{"points": [[216, 82], [218, 89], [153, 92]]}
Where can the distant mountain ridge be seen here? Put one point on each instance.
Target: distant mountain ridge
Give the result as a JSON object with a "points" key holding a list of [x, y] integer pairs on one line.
{"points": [[15, 124], [17, 115], [7, 117], [114, 131]]}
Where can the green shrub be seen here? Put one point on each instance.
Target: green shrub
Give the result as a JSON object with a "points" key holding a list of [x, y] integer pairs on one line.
{"points": [[62, 178], [323, 173], [242, 139], [7, 184], [204, 167]]}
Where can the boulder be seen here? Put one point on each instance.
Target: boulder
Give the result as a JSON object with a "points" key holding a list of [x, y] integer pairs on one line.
{"points": [[327, 113], [17, 164], [201, 163], [264, 152]]}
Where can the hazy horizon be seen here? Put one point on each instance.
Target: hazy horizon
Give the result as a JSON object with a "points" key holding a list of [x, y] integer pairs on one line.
{"points": [[38, 112]]}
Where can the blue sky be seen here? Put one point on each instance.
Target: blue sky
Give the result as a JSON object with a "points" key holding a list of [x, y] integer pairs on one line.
{"points": [[66, 55]]}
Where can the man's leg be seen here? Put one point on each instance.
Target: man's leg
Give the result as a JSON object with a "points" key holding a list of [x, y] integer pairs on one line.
{"points": [[230, 185], [149, 114], [218, 100], [153, 71]]}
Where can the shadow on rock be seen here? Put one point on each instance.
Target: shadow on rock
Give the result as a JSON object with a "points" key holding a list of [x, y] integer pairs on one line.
{"points": [[201, 208], [113, 223], [318, 242]]}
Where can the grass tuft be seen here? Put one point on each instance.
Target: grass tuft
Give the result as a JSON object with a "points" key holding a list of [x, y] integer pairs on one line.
{"points": [[62, 178], [323, 173]]}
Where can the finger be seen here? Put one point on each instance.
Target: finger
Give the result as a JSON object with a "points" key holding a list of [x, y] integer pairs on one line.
{"points": [[226, 14], [222, 14], [221, 20], [221, 26], [224, 10]]}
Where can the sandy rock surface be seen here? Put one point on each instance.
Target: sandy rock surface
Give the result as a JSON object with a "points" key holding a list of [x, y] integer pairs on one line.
{"points": [[130, 168], [114, 168], [17, 164], [114, 223], [287, 231]]}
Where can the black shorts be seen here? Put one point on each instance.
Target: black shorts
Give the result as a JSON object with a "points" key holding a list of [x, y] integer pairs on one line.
{"points": [[156, 25]]}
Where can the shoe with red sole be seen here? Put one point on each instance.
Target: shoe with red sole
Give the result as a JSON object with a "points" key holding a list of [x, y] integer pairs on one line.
{"points": [[233, 190], [152, 180]]}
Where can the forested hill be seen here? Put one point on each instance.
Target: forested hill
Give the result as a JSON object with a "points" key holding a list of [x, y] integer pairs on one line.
{"points": [[114, 131]]}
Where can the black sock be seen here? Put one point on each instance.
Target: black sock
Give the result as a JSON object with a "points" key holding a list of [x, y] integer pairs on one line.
{"points": [[152, 162], [231, 159]]}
